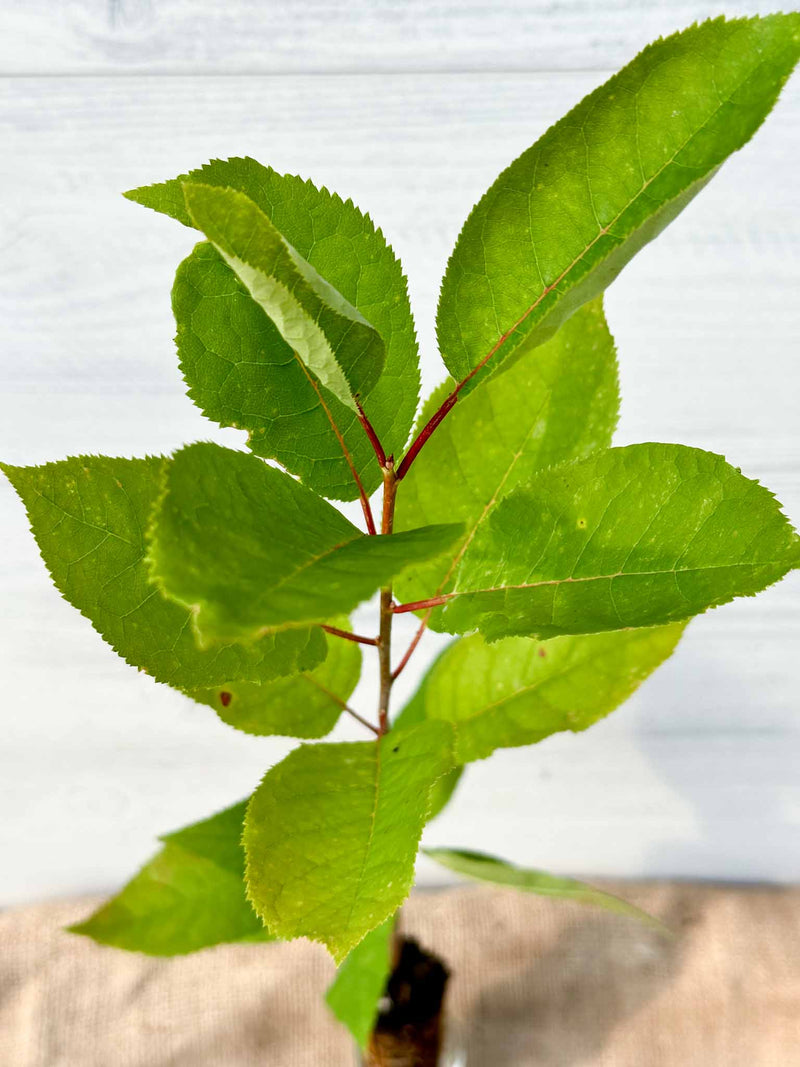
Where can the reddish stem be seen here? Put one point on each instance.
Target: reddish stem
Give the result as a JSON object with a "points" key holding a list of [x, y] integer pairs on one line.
{"points": [[410, 650], [418, 605], [426, 432], [449, 401], [370, 521], [363, 721], [373, 437], [387, 604], [348, 636], [342, 704]]}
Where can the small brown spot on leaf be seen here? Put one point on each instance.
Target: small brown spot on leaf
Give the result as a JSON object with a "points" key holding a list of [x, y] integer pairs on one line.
{"points": [[582, 523], [542, 651], [225, 699]]}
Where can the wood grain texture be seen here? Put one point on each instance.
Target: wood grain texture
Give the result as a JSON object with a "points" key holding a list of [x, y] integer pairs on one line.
{"points": [[300, 36], [696, 776]]}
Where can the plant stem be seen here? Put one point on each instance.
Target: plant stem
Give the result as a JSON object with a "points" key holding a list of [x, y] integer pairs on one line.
{"points": [[416, 605], [373, 437], [362, 720], [385, 637], [426, 432], [348, 636], [415, 640], [449, 401], [368, 519]]}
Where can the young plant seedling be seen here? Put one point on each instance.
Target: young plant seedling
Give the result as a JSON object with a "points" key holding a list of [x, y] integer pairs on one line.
{"points": [[569, 566]]}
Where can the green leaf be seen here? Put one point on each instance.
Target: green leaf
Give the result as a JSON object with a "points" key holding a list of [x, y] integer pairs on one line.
{"points": [[634, 536], [189, 896], [232, 356], [329, 335], [520, 691], [481, 867], [217, 838], [307, 704], [332, 832], [562, 220], [443, 790], [355, 992], [242, 373], [415, 712], [88, 515], [557, 403], [249, 550]]}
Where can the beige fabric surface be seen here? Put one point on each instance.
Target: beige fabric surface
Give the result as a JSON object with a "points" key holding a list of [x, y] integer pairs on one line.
{"points": [[535, 984]]}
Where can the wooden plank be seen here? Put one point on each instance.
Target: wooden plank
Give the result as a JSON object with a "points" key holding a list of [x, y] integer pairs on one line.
{"points": [[283, 36], [697, 776]]}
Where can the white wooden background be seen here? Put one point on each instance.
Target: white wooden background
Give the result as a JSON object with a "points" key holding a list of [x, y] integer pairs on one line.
{"points": [[410, 108]]}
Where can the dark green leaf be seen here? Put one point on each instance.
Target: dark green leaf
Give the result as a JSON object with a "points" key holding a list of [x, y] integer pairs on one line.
{"points": [[250, 550], [635, 536], [88, 515], [483, 868], [354, 994], [342, 245], [242, 373], [331, 337], [520, 691], [189, 896], [556, 403], [562, 220], [331, 833]]}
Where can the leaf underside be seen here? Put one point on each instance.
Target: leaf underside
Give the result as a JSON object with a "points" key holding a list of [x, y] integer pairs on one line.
{"points": [[481, 867], [188, 897], [332, 339], [239, 370], [520, 691]]}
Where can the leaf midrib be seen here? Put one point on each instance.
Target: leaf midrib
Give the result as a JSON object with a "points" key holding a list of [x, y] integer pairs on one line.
{"points": [[511, 331], [617, 574]]}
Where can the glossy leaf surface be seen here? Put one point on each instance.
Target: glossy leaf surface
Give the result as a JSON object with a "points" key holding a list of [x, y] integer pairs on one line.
{"points": [[562, 220], [331, 337], [237, 367], [635, 536], [242, 373]]}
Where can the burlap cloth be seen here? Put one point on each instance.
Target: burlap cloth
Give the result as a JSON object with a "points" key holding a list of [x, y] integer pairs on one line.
{"points": [[534, 983]]}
